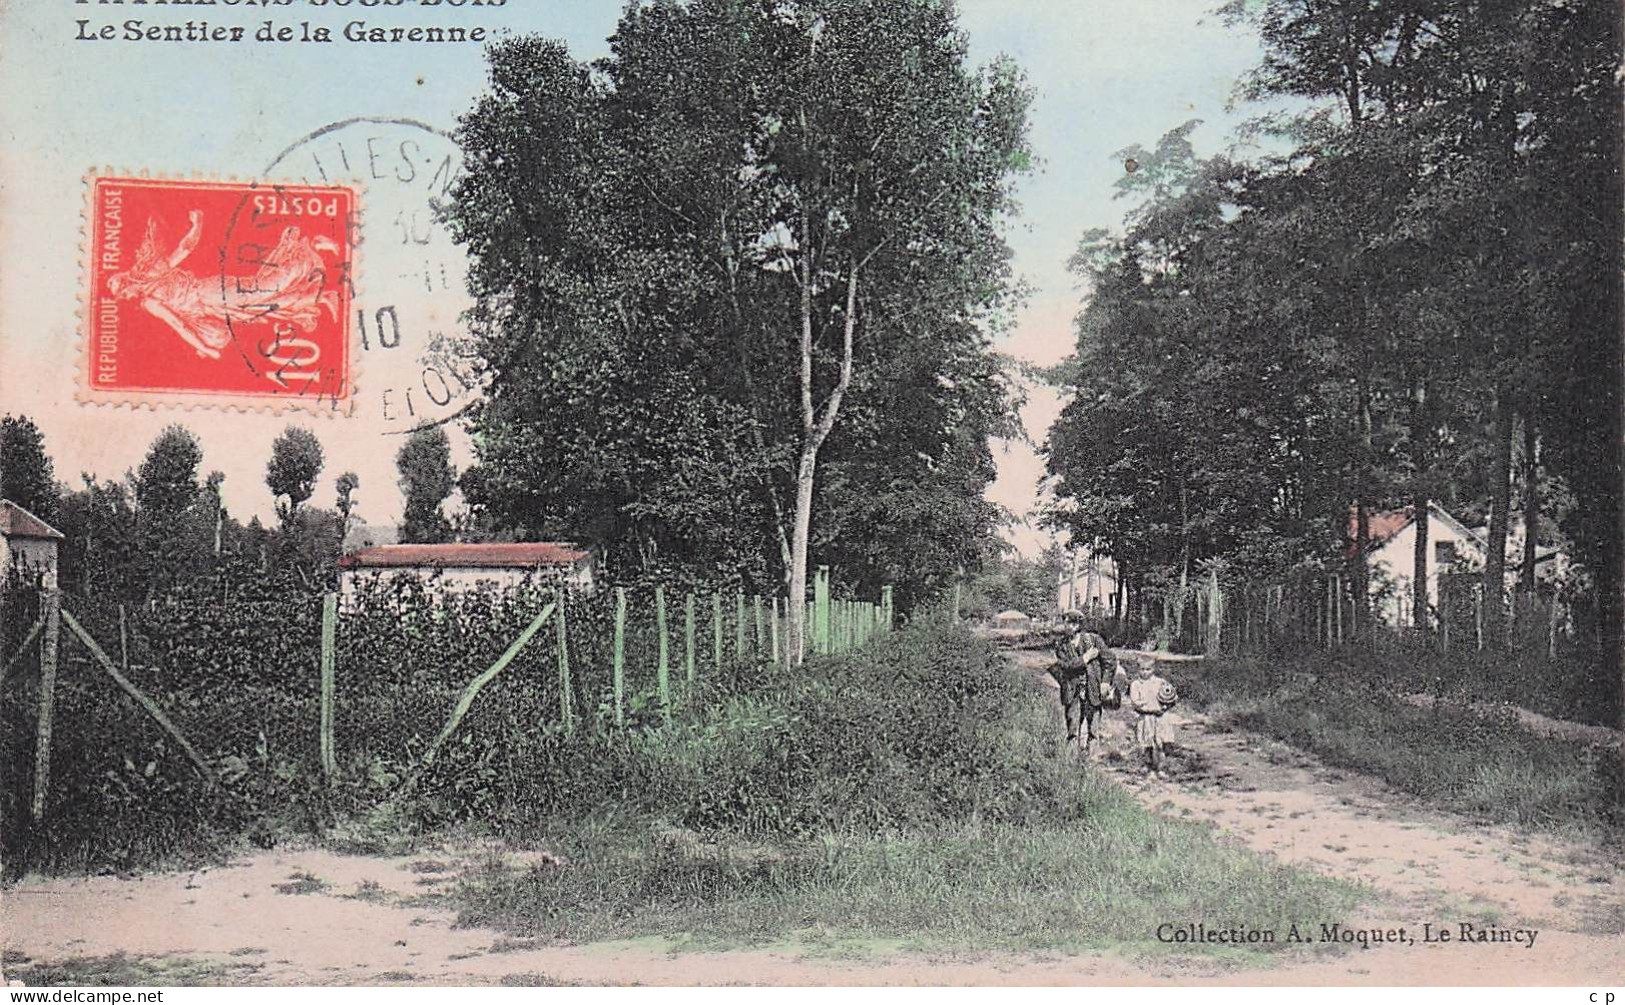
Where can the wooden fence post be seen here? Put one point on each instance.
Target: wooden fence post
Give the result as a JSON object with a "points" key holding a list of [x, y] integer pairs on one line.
{"points": [[821, 608], [1246, 625], [1338, 589], [123, 641], [618, 666], [1320, 616], [739, 626], [688, 636], [716, 630], [761, 629], [47, 701], [886, 606], [1551, 627], [663, 668], [1478, 615], [566, 687], [773, 628], [330, 617]]}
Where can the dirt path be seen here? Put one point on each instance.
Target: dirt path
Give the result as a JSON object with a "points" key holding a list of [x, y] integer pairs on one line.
{"points": [[1427, 866], [314, 917]]}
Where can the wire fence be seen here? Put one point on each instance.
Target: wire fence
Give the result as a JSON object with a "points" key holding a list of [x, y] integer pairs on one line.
{"points": [[1320, 610], [113, 709]]}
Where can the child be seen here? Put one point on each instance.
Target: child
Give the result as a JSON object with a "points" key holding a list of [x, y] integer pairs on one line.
{"points": [[1151, 697]]}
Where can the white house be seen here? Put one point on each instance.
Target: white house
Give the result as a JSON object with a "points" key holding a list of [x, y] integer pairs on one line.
{"points": [[27, 546], [455, 568], [1089, 582], [1452, 547]]}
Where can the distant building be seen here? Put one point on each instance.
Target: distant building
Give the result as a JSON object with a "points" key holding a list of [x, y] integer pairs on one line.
{"points": [[453, 568], [28, 546], [1453, 548], [1088, 583]]}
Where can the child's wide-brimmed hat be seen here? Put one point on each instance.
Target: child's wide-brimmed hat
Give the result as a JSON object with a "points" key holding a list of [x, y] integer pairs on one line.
{"points": [[1166, 693]]}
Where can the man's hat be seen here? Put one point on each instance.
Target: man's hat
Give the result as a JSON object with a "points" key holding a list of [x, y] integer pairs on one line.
{"points": [[1073, 614]]}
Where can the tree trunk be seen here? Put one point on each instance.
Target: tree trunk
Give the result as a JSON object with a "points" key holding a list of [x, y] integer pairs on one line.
{"points": [[1362, 570], [796, 647], [1419, 563], [1421, 457], [1495, 557], [1362, 521], [1531, 504], [815, 429]]}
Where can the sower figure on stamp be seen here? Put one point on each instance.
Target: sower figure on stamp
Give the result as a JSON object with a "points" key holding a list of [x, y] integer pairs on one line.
{"points": [[290, 287], [1090, 679]]}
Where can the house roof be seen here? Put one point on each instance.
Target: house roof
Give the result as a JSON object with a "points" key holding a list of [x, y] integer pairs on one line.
{"points": [[1385, 526], [487, 555], [18, 522]]}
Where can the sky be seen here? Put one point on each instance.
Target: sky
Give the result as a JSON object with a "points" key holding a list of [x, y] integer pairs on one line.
{"points": [[1105, 74]]}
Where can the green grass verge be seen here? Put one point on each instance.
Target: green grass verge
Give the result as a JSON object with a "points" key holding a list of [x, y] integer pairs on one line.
{"points": [[1080, 867], [1485, 765]]}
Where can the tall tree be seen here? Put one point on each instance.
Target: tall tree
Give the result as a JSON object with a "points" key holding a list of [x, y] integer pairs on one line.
{"points": [[296, 462], [344, 500], [166, 483], [26, 476], [426, 480], [169, 520], [755, 224]]}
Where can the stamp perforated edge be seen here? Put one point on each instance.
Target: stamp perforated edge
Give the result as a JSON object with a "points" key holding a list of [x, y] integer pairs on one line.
{"points": [[217, 401]]}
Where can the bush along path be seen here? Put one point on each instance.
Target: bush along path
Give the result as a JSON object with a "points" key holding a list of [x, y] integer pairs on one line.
{"points": [[1468, 876]]}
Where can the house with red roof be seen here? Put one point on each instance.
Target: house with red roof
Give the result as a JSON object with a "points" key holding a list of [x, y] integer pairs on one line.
{"points": [[462, 567], [1453, 547], [28, 546]]}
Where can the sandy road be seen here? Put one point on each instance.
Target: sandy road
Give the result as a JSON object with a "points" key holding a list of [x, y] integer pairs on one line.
{"points": [[1427, 866], [377, 920]]}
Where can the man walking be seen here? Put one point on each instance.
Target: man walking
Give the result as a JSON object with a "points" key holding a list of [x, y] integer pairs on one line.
{"points": [[1090, 680]]}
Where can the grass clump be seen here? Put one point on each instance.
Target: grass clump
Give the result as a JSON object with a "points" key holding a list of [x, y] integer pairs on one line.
{"points": [[912, 795], [1484, 763]]}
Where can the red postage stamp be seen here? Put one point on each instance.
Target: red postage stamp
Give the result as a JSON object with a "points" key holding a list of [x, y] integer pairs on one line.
{"points": [[219, 289]]}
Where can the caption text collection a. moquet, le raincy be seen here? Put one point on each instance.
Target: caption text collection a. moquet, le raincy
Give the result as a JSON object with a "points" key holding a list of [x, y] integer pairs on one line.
{"points": [[244, 21], [1429, 933]]}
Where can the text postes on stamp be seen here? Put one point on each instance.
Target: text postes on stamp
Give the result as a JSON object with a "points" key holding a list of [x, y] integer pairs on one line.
{"points": [[219, 290]]}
